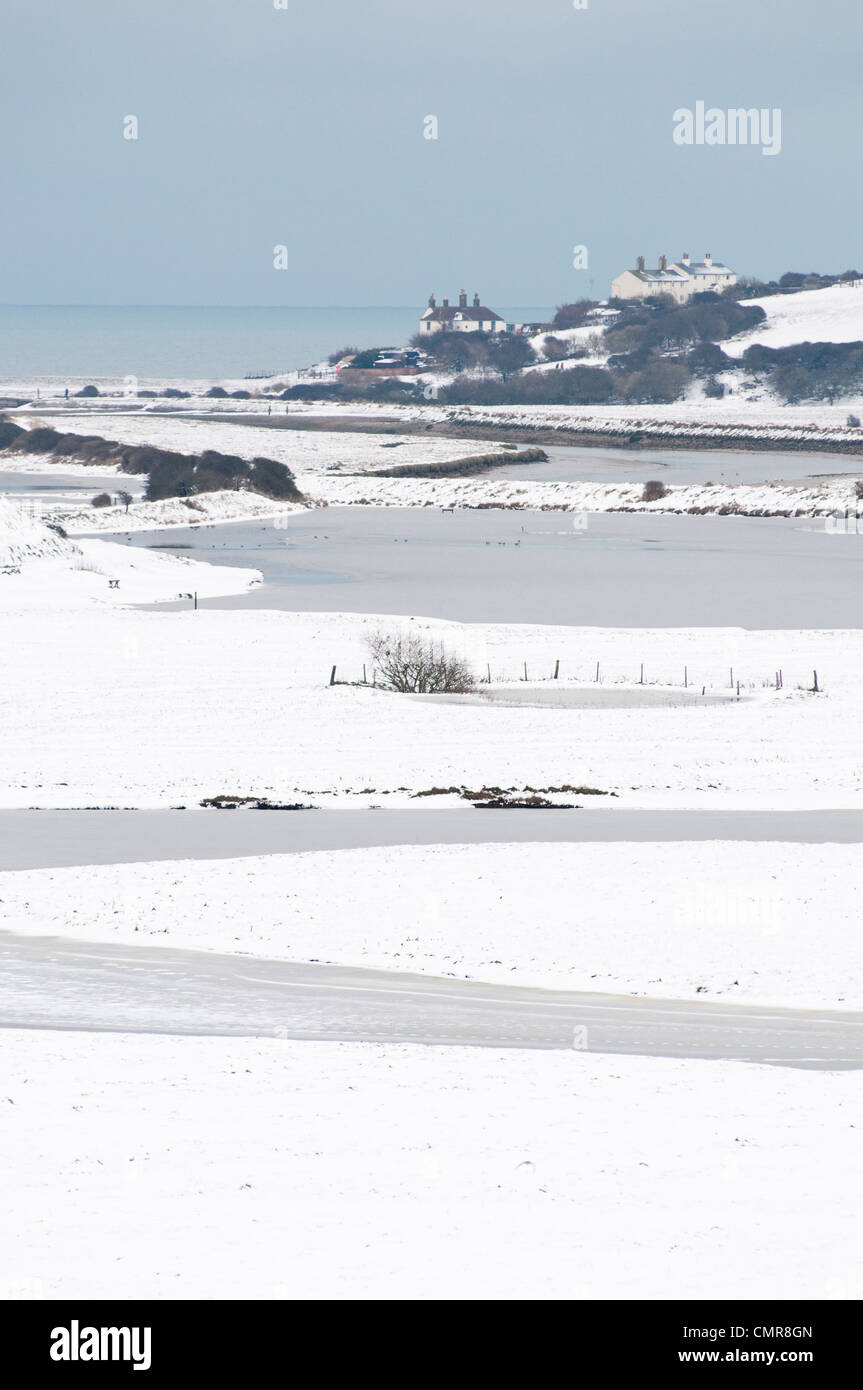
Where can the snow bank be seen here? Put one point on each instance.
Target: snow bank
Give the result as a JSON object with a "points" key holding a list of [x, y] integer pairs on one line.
{"points": [[40, 569], [765, 499], [23, 539], [205, 508]]}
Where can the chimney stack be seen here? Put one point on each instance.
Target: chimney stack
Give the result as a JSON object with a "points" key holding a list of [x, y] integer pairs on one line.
{"points": [[639, 264], [475, 300], [462, 299], [431, 301], [663, 262], [708, 259], [684, 259], [445, 302]]}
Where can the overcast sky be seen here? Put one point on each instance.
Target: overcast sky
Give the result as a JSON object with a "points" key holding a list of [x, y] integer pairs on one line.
{"points": [[303, 127]]}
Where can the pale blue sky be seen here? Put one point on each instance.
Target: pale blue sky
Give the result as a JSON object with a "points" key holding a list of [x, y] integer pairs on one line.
{"points": [[305, 127]]}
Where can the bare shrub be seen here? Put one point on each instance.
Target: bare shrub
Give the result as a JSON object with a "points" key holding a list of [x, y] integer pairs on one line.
{"points": [[654, 490], [101, 500], [414, 664]]}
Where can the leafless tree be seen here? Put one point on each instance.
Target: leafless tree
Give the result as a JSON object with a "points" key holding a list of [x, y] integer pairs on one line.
{"points": [[415, 664]]}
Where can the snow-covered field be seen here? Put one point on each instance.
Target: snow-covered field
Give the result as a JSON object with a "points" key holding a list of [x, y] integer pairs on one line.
{"points": [[142, 1166], [765, 923], [308, 453], [152, 1167], [251, 712]]}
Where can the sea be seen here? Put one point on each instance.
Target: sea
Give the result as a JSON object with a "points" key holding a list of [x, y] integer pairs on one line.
{"points": [[83, 341]]}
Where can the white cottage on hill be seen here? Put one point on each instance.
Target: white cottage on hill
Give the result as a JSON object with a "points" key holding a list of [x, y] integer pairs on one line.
{"points": [[466, 318], [681, 280]]}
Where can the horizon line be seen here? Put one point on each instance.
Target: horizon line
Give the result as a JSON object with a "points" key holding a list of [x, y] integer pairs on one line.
{"points": [[411, 307]]}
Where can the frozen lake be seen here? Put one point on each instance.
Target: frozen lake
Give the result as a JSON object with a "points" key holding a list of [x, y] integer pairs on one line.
{"points": [[621, 570]]}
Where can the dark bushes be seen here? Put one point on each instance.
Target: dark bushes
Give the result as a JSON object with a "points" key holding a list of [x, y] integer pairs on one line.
{"points": [[170, 474], [707, 359], [311, 392], [273, 479], [571, 386], [809, 371], [680, 327], [462, 468], [661, 380], [573, 315], [72, 444], [654, 491], [181, 475], [9, 433], [38, 441]]}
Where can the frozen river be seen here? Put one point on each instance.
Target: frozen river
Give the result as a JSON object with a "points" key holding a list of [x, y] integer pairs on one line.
{"points": [[57, 839], [569, 463], [617, 570]]}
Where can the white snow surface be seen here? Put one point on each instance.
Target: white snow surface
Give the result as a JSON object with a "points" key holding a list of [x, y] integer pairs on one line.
{"points": [[833, 315], [204, 509], [152, 1167], [40, 569], [252, 712], [730, 921]]}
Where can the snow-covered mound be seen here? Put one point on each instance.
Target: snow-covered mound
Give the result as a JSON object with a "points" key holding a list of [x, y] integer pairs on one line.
{"points": [[834, 315], [23, 538], [39, 568]]}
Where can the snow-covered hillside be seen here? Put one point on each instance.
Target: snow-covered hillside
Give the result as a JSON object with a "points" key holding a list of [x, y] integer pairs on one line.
{"points": [[834, 315]]}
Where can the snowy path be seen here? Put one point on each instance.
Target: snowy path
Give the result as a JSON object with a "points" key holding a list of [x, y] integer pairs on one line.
{"points": [[49, 984]]}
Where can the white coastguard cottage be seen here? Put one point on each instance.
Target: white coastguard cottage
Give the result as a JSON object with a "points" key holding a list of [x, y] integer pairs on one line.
{"points": [[467, 318], [681, 280]]}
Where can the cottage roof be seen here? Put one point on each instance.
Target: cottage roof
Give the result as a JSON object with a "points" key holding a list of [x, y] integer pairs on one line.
{"points": [[476, 313], [671, 274]]}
